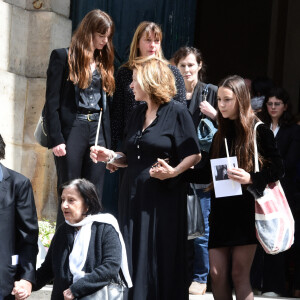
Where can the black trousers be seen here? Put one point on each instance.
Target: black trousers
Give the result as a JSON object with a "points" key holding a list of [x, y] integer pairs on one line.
{"points": [[77, 162]]}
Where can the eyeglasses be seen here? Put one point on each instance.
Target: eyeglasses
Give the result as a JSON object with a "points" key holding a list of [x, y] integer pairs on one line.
{"points": [[270, 104]]}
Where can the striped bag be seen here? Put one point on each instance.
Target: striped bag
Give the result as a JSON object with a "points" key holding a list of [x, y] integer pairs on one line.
{"points": [[274, 222]]}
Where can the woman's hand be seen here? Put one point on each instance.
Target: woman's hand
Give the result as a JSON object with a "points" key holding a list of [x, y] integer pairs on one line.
{"points": [[22, 289], [68, 295], [20, 293], [162, 170], [99, 153], [239, 175], [112, 168], [59, 150], [208, 110]]}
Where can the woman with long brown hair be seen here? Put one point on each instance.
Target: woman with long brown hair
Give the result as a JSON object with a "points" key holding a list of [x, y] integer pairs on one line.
{"points": [[232, 239], [79, 82], [146, 42]]}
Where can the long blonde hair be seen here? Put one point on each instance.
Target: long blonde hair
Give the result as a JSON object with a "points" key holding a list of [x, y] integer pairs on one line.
{"points": [[80, 52], [155, 78], [147, 27]]}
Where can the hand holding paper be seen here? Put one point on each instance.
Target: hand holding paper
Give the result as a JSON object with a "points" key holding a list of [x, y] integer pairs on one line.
{"points": [[239, 175], [223, 182]]}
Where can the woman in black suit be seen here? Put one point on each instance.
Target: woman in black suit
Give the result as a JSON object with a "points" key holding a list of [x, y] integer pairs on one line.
{"points": [[79, 83], [276, 114]]}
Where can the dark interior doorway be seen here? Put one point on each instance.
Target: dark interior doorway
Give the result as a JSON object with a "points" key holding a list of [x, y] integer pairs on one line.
{"points": [[234, 37]]}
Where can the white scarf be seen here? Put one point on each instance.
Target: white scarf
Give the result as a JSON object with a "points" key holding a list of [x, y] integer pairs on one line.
{"points": [[78, 255]]}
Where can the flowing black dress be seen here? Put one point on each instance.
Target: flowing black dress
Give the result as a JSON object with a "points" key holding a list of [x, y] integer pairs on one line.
{"points": [[152, 212]]}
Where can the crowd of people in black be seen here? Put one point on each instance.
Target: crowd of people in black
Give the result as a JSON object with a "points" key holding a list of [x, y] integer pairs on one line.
{"points": [[149, 120]]}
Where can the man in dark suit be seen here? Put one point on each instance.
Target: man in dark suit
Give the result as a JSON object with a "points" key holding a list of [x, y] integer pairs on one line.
{"points": [[18, 231]]}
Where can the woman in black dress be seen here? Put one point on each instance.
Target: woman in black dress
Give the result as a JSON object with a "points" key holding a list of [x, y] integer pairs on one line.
{"points": [[152, 202], [232, 239], [146, 41], [79, 83]]}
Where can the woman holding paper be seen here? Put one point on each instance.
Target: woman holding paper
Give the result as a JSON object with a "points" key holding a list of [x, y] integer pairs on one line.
{"points": [[160, 143], [232, 240], [79, 83]]}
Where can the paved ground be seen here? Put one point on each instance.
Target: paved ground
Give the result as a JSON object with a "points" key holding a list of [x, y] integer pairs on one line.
{"points": [[45, 293], [209, 296]]}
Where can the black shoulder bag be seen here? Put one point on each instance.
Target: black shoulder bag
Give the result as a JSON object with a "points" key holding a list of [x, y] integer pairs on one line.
{"points": [[41, 131]]}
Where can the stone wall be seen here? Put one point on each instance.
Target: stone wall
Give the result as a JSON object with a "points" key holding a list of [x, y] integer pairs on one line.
{"points": [[29, 31]]}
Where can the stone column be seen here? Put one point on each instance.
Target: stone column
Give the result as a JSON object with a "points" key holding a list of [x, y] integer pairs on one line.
{"points": [[29, 31]]}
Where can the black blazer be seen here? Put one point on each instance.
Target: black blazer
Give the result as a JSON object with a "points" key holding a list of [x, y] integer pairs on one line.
{"points": [[101, 267], [62, 104], [288, 143], [18, 230], [197, 115], [197, 98]]}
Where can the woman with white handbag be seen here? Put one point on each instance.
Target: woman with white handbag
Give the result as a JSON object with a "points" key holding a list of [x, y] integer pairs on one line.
{"points": [[232, 240]]}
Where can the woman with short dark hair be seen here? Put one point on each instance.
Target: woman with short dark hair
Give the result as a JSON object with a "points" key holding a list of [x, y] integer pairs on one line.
{"points": [[87, 251], [88, 192], [201, 101]]}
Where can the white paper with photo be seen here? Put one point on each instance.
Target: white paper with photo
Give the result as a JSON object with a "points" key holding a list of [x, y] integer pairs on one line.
{"points": [[223, 186]]}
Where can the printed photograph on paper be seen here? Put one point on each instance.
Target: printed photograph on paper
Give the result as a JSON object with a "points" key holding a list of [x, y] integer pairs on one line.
{"points": [[223, 186]]}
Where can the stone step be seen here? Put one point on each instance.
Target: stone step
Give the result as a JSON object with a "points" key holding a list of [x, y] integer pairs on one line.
{"points": [[42, 294], [45, 294]]}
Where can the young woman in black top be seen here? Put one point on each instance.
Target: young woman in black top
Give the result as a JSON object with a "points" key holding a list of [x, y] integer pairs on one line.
{"points": [[79, 85], [232, 239]]}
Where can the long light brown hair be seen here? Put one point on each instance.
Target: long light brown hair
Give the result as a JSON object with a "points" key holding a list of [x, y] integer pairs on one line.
{"points": [[244, 125], [155, 78], [147, 27], [80, 52]]}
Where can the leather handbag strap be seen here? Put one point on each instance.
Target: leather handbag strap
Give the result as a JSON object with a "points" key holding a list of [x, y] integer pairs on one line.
{"points": [[204, 98], [205, 92], [256, 165]]}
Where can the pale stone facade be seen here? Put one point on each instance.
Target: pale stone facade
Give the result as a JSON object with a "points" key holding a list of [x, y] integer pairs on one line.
{"points": [[29, 31]]}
